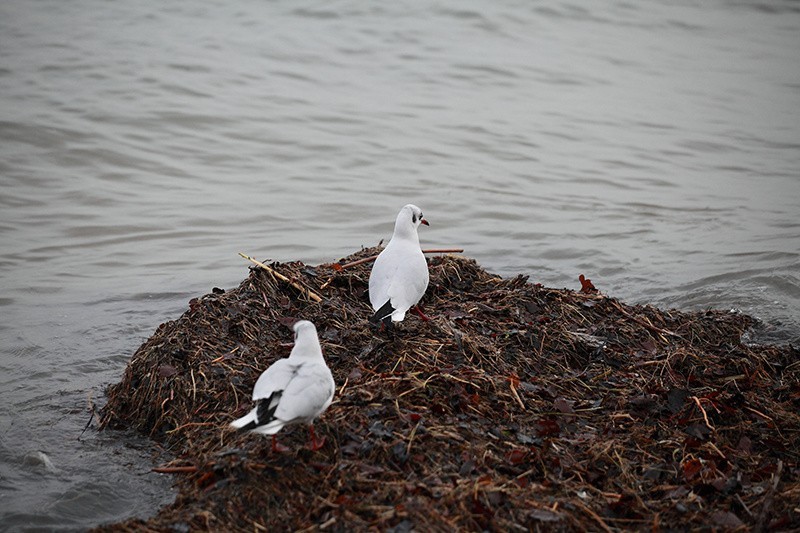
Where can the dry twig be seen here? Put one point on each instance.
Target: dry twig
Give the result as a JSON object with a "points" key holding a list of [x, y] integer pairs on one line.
{"points": [[307, 292]]}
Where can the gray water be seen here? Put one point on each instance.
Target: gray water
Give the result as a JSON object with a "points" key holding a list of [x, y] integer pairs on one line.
{"points": [[653, 146]]}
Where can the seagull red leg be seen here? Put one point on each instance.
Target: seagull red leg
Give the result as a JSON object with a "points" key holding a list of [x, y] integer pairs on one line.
{"points": [[315, 444], [418, 311]]}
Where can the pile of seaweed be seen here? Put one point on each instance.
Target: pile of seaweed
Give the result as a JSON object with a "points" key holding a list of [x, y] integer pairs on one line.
{"points": [[516, 407]]}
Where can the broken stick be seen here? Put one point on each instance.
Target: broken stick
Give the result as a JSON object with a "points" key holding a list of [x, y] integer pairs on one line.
{"points": [[314, 296], [374, 257]]}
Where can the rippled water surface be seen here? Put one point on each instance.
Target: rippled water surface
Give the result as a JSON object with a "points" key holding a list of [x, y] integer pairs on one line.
{"points": [[653, 146]]}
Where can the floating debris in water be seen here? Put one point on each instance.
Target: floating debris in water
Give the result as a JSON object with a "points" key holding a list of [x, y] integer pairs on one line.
{"points": [[39, 460], [515, 407]]}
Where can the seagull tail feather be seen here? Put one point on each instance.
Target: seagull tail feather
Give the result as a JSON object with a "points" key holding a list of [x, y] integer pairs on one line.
{"points": [[247, 422], [262, 418], [270, 428]]}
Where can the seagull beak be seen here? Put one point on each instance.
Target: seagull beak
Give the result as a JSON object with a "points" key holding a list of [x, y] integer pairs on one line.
{"points": [[423, 221]]}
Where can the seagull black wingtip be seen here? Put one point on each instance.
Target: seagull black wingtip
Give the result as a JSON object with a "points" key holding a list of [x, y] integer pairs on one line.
{"points": [[381, 314]]}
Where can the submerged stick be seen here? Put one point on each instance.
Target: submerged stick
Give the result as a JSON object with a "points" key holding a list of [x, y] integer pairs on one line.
{"points": [[174, 469], [314, 296], [91, 416]]}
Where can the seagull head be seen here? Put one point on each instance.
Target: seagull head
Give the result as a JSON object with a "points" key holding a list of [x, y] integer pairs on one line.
{"points": [[306, 342], [408, 220]]}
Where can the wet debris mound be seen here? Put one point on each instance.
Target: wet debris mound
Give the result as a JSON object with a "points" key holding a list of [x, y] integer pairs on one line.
{"points": [[516, 407]]}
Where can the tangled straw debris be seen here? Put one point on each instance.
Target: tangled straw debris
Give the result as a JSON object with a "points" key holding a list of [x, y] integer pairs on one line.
{"points": [[517, 407]]}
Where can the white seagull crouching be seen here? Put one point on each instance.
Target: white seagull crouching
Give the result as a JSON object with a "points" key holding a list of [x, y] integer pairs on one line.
{"points": [[399, 276], [293, 390]]}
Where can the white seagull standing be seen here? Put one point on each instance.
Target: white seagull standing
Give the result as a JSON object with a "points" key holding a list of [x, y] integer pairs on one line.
{"points": [[399, 276], [293, 390]]}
